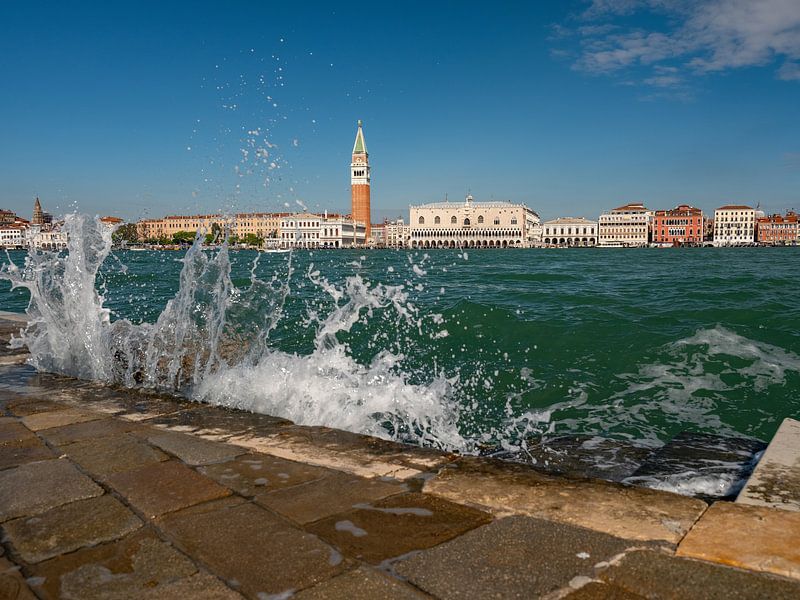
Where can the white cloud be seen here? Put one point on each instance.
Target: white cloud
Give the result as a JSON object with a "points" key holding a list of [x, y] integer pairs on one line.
{"points": [[701, 37]]}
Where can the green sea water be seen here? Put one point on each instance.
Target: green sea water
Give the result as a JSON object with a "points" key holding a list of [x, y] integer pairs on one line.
{"points": [[637, 344]]}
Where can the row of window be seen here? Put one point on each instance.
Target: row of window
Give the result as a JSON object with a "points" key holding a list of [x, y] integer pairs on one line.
{"points": [[447, 233], [568, 231], [453, 220]]}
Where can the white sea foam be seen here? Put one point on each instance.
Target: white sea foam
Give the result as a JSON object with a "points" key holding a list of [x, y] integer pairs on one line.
{"points": [[196, 346]]}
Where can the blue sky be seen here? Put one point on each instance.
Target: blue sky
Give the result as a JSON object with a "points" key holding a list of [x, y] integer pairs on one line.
{"points": [[143, 109]]}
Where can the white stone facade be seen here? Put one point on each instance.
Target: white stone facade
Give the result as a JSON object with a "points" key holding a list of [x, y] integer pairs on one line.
{"points": [[51, 239], [471, 224], [734, 225], [308, 230], [12, 236], [569, 232], [625, 226]]}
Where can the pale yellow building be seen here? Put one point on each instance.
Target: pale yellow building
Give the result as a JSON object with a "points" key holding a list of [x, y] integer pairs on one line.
{"points": [[625, 226], [264, 225]]}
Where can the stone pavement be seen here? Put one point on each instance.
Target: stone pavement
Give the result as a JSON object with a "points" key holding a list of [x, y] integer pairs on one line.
{"points": [[109, 493]]}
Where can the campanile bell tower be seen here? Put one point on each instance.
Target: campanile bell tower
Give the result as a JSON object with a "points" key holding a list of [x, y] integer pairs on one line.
{"points": [[359, 180]]}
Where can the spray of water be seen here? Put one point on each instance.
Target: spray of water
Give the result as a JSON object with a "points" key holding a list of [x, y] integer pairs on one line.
{"points": [[212, 342]]}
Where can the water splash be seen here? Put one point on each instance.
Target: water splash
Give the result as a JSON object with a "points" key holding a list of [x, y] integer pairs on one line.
{"points": [[212, 342]]}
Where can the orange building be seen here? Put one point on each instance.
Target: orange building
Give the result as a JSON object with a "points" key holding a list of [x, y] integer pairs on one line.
{"points": [[359, 181], [777, 230], [678, 226]]}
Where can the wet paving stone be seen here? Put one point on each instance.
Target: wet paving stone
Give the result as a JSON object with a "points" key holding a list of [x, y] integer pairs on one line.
{"points": [[515, 557], [219, 422], [138, 566], [336, 493], [193, 450], [25, 406], [12, 582], [35, 487], [57, 418], [257, 474], [584, 456], [626, 512], [201, 586], [252, 550], [14, 431], [13, 454], [106, 456], [658, 575], [78, 432], [160, 488], [362, 583], [69, 527], [692, 462], [397, 525], [749, 537]]}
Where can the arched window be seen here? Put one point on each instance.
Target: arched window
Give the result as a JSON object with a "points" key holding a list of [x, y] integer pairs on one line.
{"points": [[466, 222], [422, 220], [453, 220], [480, 219], [513, 220], [437, 220], [497, 220]]}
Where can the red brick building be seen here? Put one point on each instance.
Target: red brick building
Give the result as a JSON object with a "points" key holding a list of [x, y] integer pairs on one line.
{"points": [[360, 181], [679, 226], [777, 230]]}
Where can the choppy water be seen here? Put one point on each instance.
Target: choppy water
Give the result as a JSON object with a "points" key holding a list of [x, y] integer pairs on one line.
{"points": [[449, 349]]}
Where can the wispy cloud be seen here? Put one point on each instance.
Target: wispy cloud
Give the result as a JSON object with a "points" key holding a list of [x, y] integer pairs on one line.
{"points": [[694, 38]]}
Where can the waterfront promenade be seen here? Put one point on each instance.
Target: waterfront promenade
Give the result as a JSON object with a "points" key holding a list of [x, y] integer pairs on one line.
{"points": [[109, 493]]}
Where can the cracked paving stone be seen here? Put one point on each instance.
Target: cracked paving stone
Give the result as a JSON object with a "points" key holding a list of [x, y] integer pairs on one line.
{"points": [[139, 565], [656, 574], [397, 525], [164, 487], [239, 541], [35, 487], [515, 557], [256, 474], [69, 527], [336, 493]]}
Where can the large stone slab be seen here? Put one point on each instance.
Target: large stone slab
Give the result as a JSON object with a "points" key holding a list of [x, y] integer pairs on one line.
{"points": [[108, 455], [13, 431], [659, 575], [515, 557], [160, 488], [69, 527], [257, 474], [138, 566], [336, 493], [750, 537], [12, 583], [13, 454], [57, 418], [776, 479], [78, 432], [194, 450], [362, 583], [251, 549], [397, 525], [220, 423], [353, 453], [201, 586], [626, 512], [35, 487], [23, 406]]}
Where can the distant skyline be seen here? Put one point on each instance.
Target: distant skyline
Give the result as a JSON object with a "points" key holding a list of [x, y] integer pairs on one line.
{"points": [[144, 109]]}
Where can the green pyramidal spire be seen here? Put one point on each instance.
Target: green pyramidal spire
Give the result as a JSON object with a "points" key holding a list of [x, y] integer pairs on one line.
{"points": [[360, 147]]}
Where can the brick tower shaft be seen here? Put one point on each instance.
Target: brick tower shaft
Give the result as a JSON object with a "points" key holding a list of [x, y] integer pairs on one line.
{"points": [[360, 181]]}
